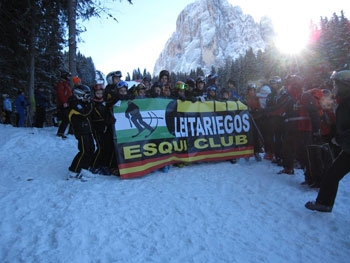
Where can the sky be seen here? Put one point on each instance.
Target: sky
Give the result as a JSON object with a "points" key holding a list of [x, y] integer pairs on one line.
{"points": [[142, 30]]}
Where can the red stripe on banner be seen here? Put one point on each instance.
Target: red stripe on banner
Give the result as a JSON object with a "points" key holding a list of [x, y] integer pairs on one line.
{"points": [[144, 172], [183, 155]]}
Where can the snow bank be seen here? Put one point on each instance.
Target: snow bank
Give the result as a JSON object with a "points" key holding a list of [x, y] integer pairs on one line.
{"points": [[215, 212]]}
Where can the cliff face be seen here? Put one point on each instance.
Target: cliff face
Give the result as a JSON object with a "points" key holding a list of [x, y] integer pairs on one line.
{"points": [[207, 33]]}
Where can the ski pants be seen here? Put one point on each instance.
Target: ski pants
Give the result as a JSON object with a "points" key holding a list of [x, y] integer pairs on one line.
{"points": [[329, 186], [278, 136], [40, 117], [62, 114], [104, 145], [86, 152], [111, 155], [21, 114]]}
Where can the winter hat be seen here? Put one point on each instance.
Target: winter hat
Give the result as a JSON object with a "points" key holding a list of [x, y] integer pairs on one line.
{"points": [[76, 80], [264, 91], [164, 73]]}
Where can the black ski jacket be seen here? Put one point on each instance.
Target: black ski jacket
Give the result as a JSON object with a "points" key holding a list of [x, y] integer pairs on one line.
{"points": [[99, 114], [79, 116], [343, 124]]}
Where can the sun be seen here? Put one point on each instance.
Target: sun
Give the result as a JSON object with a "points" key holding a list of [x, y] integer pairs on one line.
{"points": [[291, 42]]}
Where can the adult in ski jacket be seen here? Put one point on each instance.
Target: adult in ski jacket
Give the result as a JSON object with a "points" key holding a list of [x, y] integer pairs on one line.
{"points": [[41, 103], [63, 93], [341, 166], [7, 106], [21, 105]]}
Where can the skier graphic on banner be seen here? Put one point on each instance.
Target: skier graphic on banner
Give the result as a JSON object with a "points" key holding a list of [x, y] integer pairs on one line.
{"points": [[133, 114]]}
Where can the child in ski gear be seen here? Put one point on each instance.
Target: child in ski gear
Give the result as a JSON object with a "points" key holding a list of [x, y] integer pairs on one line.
{"points": [[198, 92], [211, 93], [100, 161], [63, 92], [80, 108]]}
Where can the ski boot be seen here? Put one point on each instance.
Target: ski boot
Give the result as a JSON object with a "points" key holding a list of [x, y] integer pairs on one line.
{"points": [[79, 176], [314, 206], [268, 156], [286, 171], [257, 157], [165, 169]]}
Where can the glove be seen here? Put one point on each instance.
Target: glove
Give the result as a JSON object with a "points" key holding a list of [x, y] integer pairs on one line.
{"points": [[334, 141], [202, 99], [193, 99], [316, 137]]}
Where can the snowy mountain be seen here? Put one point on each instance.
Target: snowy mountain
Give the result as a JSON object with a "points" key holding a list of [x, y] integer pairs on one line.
{"points": [[209, 212], [210, 31]]}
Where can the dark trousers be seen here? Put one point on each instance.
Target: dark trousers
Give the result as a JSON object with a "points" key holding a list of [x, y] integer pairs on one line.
{"points": [[278, 136], [86, 152], [62, 114], [289, 148], [111, 147], [103, 144], [266, 130], [329, 186], [40, 117], [8, 117], [305, 139]]}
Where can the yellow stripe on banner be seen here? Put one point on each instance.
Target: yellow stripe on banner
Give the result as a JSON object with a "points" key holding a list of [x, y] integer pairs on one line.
{"points": [[208, 106], [186, 159], [189, 106], [220, 106]]}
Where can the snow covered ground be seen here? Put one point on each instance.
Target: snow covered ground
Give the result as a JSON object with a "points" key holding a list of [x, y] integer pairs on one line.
{"points": [[215, 212]]}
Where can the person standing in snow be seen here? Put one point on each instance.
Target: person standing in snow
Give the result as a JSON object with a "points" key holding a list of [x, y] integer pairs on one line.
{"points": [[110, 96], [7, 105], [80, 108], [100, 162], [21, 105], [341, 166], [63, 92], [41, 103]]}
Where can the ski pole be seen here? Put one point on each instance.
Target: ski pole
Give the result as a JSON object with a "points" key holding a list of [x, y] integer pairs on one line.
{"points": [[257, 128]]}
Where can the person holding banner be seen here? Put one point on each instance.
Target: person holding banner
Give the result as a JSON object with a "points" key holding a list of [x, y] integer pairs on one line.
{"points": [[100, 132], [211, 93], [110, 97], [198, 92]]}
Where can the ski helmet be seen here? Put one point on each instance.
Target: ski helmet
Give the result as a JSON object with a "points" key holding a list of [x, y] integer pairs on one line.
{"points": [[211, 88], [65, 75], [190, 82], [82, 92], [157, 84], [180, 85], [341, 81], [112, 74], [200, 79], [122, 84]]}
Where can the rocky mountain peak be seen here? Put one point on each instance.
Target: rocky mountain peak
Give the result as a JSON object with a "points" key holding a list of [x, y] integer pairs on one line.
{"points": [[208, 32]]}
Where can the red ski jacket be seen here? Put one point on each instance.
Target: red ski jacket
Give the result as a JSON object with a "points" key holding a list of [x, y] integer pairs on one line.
{"points": [[63, 92]]}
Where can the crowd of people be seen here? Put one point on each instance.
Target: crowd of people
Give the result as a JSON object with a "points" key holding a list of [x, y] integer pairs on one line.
{"points": [[295, 125]]}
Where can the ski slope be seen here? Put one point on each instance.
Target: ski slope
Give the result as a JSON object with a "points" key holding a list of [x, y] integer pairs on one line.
{"points": [[213, 212]]}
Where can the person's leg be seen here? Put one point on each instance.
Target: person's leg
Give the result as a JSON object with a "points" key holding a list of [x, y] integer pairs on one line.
{"points": [[329, 186]]}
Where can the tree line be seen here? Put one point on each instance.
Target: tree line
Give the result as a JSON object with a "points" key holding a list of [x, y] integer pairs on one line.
{"points": [[34, 35]]}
